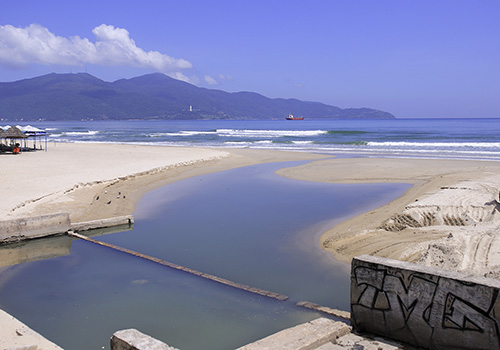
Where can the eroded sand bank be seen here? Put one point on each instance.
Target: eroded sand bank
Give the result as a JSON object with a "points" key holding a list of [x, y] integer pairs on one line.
{"points": [[449, 218]]}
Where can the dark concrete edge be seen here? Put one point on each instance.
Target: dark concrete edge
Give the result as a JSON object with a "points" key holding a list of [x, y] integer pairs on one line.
{"points": [[403, 265]]}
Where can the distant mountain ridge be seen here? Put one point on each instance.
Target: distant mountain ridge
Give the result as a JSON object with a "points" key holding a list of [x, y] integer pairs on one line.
{"points": [[82, 96]]}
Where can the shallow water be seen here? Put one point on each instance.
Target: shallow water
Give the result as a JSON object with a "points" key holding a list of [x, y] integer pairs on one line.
{"points": [[247, 225]]}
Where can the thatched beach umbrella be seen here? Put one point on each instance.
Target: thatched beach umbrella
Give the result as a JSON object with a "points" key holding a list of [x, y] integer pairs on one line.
{"points": [[14, 133]]}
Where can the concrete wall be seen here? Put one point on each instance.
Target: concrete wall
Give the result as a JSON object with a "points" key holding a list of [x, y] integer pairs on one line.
{"points": [[34, 227], [423, 306], [56, 224]]}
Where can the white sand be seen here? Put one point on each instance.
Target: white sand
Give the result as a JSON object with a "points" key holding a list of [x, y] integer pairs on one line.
{"points": [[32, 176], [95, 181]]}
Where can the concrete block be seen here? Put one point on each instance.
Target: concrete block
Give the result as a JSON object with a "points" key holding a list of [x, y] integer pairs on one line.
{"points": [[34, 227], [132, 339], [306, 336], [424, 306], [127, 220]]}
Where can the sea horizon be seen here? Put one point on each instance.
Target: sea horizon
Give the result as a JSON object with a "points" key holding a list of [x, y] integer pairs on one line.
{"points": [[443, 138]]}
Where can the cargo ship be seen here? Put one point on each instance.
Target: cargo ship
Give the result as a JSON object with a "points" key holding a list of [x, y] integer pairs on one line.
{"points": [[291, 117]]}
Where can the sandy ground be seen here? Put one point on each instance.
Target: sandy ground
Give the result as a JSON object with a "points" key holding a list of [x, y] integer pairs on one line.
{"points": [[449, 218]]}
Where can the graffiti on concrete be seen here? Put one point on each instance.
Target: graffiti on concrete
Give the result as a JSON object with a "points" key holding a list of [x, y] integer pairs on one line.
{"points": [[424, 309]]}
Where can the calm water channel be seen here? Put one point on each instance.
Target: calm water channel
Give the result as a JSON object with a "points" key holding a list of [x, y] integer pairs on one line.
{"points": [[247, 225]]}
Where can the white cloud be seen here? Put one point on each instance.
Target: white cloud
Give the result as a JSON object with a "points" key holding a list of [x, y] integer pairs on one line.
{"points": [[225, 77], [210, 81], [113, 46]]}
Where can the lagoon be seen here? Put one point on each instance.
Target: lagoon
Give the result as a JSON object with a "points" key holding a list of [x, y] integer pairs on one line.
{"points": [[247, 225]]}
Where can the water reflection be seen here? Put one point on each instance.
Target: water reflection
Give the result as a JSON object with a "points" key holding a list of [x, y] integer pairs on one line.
{"points": [[46, 248]]}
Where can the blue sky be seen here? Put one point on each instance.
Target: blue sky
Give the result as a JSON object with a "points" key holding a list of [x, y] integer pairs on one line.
{"points": [[415, 59]]}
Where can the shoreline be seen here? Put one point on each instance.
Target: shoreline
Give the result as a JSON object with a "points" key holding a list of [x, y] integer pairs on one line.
{"points": [[440, 221], [96, 181]]}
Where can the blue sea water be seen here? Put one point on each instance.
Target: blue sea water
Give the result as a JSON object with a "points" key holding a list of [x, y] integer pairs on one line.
{"points": [[248, 225], [473, 138]]}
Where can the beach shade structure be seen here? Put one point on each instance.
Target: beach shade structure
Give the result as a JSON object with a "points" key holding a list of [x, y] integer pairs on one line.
{"points": [[33, 133], [13, 134], [2, 146], [30, 130]]}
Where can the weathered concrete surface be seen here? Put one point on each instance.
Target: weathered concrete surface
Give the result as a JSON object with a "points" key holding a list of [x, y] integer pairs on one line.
{"points": [[132, 339], [34, 227], [424, 306], [55, 224], [306, 336], [15, 335], [352, 341], [319, 334], [102, 223]]}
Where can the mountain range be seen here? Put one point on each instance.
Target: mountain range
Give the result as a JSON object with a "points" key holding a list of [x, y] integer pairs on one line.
{"points": [[82, 96]]}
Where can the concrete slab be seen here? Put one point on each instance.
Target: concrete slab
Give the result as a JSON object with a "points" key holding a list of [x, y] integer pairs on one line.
{"points": [[132, 339], [15, 335], [34, 227], [306, 336], [353, 341]]}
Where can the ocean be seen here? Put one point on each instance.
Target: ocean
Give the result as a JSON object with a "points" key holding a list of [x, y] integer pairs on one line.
{"points": [[473, 138]]}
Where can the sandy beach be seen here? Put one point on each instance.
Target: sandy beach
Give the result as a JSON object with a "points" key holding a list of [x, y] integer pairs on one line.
{"points": [[448, 218], [94, 181]]}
